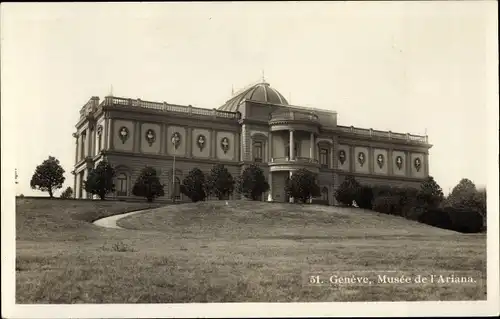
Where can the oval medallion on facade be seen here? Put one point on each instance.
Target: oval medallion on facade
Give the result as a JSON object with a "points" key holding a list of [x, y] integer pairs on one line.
{"points": [[150, 137], [418, 164], [224, 143], [361, 158], [124, 134], [201, 141], [399, 162], [380, 160], [176, 139], [342, 157]]}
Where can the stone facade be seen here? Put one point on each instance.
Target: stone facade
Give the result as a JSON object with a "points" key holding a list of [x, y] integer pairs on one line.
{"points": [[256, 125]]}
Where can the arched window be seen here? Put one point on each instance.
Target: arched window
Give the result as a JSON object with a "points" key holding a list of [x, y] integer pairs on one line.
{"points": [[257, 151], [121, 185], [324, 194], [177, 188]]}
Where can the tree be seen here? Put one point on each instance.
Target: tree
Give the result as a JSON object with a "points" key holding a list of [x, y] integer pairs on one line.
{"points": [[193, 185], [464, 194], [347, 191], [100, 180], [430, 194], [48, 176], [252, 182], [148, 185], [220, 182], [68, 193], [302, 185]]}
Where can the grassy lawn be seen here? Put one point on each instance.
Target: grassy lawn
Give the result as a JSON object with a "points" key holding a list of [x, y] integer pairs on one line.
{"points": [[243, 251]]}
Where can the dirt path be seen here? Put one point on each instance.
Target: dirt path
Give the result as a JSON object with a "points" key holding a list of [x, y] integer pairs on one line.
{"points": [[110, 222]]}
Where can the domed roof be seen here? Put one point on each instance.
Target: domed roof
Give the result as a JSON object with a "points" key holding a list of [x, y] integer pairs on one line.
{"points": [[260, 92]]}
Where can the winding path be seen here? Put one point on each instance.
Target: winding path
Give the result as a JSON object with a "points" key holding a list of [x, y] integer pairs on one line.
{"points": [[111, 221]]}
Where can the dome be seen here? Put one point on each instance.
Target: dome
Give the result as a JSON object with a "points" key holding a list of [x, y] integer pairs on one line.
{"points": [[260, 92]]}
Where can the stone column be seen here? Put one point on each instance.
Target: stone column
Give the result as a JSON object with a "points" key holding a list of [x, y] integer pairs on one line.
{"points": [[270, 181], [390, 162], [407, 164], [136, 146], [292, 148], [189, 143], [352, 159], [426, 164], [76, 149], [270, 147], [291, 198], [87, 143], [213, 147], [106, 133], [111, 133], [237, 141], [162, 139], [371, 160], [85, 175], [311, 147], [74, 185]]}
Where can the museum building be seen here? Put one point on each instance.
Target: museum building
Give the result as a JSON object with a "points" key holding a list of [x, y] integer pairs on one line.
{"points": [[255, 126]]}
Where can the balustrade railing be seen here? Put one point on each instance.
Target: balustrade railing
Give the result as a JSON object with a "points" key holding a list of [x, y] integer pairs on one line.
{"points": [[290, 115], [294, 160], [163, 106], [383, 134]]}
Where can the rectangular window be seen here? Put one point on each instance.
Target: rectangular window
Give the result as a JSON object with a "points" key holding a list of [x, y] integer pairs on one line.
{"points": [[257, 152], [323, 157]]}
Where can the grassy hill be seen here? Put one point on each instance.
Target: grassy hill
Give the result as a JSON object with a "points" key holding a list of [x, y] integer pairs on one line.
{"points": [[243, 251]]}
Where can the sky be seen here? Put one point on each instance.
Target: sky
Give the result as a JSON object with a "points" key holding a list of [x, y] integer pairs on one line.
{"points": [[412, 67]]}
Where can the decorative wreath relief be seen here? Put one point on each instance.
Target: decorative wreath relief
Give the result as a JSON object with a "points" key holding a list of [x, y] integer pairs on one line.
{"points": [[380, 160], [150, 136], [201, 141], [224, 143], [418, 164], [176, 139], [342, 156], [99, 130], [124, 134], [399, 162]]}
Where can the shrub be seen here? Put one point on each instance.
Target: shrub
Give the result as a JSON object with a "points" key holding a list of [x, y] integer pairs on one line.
{"points": [[48, 176], [436, 217], [100, 180], [220, 182], [347, 191], [68, 193], [465, 220], [148, 185], [302, 185], [386, 204], [252, 182], [193, 185], [364, 197], [413, 212]]}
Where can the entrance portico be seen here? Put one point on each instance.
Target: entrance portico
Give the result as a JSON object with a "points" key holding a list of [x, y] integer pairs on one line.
{"points": [[298, 124]]}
